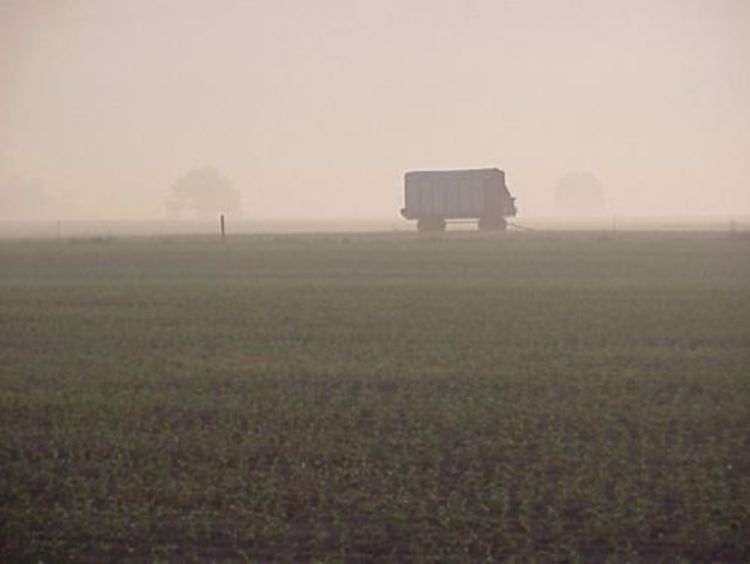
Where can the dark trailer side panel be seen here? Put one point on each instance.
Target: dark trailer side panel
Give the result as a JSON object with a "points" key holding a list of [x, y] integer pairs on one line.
{"points": [[432, 197]]}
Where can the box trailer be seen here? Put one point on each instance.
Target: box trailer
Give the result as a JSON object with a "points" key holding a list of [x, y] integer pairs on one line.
{"points": [[436, 197]]}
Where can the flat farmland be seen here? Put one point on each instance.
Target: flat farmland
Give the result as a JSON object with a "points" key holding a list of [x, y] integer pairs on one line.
{"points": [[545, 396]]}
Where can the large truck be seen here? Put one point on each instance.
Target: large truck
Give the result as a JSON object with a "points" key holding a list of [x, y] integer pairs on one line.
{"points": [[434, 198]]}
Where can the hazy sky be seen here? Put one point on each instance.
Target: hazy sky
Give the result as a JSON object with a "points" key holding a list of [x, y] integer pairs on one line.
{"points": [[314, 109]]}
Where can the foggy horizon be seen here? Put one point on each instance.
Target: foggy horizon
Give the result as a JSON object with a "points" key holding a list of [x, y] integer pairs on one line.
{"points": [[316, 112]]}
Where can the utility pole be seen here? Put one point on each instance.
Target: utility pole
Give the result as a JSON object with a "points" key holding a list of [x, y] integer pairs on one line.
{"points": [[223, 230]]}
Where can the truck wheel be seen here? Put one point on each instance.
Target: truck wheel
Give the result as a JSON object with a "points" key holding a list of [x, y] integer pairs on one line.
{"points": [[492, 224], [431, 224]]}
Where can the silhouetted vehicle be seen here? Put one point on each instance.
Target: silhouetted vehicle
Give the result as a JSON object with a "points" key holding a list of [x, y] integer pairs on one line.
{"points": [[436, 197]]}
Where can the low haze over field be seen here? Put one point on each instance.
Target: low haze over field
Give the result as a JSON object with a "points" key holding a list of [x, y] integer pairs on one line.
{"points": [[315, 109]]}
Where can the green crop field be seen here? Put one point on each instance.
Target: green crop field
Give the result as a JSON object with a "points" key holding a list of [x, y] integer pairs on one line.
{"points": [[521, 396]]}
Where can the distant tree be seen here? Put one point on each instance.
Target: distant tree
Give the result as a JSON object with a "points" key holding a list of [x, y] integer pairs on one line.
{"points": [[579, 194], [24, 199], [203, 193]]}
